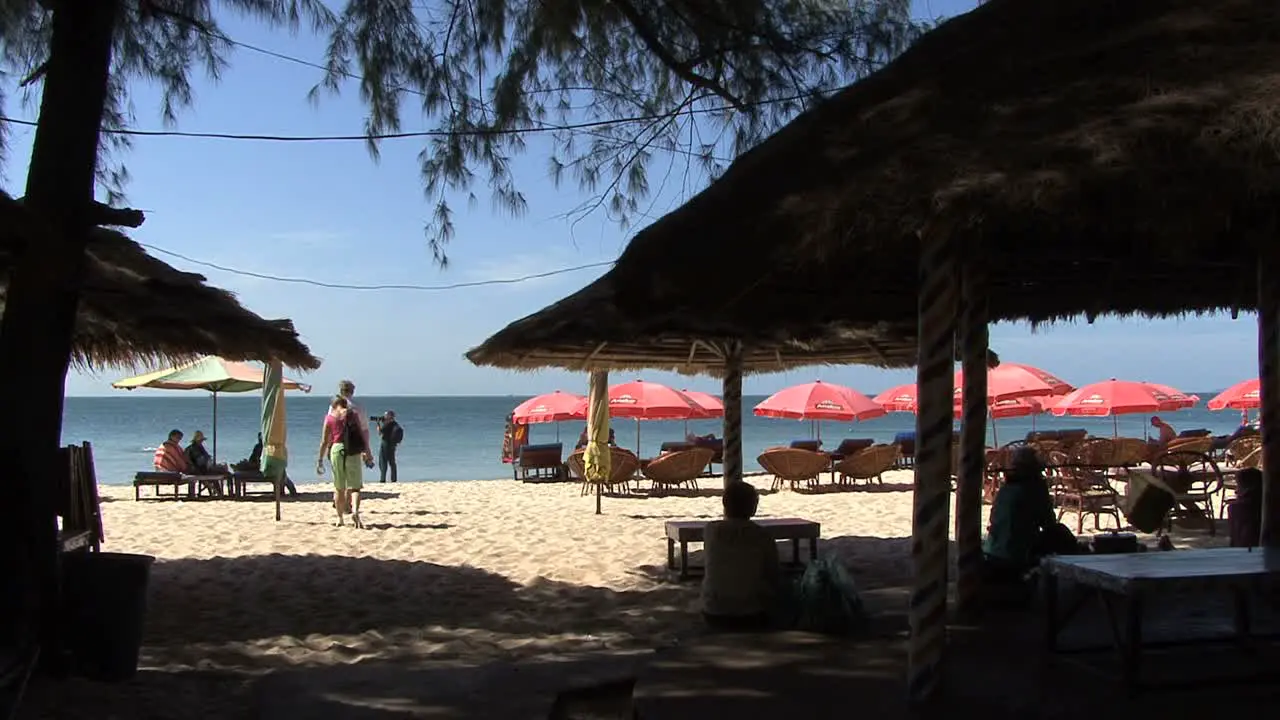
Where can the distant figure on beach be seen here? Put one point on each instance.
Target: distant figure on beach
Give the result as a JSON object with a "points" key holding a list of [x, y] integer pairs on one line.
{"points": [[391, 434], [345, 443], [1165, 432], [743, 581], [198, 456], [582, 439], [170, 457], [1023, 527], [514, 437]]}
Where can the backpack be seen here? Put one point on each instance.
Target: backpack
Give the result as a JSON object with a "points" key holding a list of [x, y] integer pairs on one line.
{"points": [[352, 435], [397, 435], [827, 601]]}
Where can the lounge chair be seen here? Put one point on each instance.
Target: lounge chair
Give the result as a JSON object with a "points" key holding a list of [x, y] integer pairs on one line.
{"points": [[716, 446], [869, 463], [849, 446], [158, 479], [677, 468], [623, 465], [794, 466], [906, 442], [541, 463], [812, 445]]}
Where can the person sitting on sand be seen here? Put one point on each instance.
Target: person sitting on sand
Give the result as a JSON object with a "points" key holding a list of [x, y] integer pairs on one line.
{"points": [[170, 457], [743, 582], [1023, 527]]}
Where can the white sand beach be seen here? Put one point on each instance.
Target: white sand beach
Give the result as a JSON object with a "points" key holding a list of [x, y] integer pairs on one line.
{"points": [[444, 572]]}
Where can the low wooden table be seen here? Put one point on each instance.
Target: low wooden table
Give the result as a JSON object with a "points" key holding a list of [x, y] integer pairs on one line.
{"points": [[1124, 582], [692, 531]]}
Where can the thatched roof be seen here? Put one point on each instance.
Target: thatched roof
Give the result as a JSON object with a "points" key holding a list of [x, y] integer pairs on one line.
{"points": [[1106, 156], [587, 331], [136, 310]]}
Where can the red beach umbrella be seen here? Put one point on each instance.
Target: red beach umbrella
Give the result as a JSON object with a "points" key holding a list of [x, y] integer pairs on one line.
{"points": [[819, 401], [552, 407], [1012, 380], [1241, 396], [708, 402], [1011, 408], [1178, 400], [902, 398], [652, 401]]}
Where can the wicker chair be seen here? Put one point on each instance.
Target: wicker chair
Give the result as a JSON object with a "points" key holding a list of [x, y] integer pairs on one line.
{"points": [[869, 463], [677, 468], [1242, 452], [1195, 479], [1198, 445], [623, 465], [793, 465], [1086, 490], [1130, 451]]}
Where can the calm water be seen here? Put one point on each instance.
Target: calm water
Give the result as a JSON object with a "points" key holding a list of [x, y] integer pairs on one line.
{"points": [[460, 438]]}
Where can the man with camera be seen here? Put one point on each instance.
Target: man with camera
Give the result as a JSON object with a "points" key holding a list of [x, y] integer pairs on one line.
{"points": [[392, 435]]}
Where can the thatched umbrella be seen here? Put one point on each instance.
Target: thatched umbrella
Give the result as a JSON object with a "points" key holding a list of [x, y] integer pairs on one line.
{"points": [[136, 310], [1073, 156], [588, 331]]}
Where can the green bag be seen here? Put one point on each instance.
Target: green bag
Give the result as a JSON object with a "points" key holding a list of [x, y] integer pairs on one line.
{"points": [[827, 601]]}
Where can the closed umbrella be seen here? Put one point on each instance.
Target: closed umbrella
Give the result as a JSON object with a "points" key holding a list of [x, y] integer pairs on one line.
{"points": [[275, 454]]}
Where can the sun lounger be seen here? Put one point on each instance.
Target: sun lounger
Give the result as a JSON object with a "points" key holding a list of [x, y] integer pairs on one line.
{"points": [[542, 463], [157, 479], [849, 446]]}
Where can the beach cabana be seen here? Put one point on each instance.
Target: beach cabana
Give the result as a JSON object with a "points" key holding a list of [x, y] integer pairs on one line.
{"points": [[1025, 161]]}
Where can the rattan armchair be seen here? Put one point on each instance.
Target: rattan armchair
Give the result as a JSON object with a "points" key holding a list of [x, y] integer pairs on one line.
{"points": [[794, 466], [674, 469], [868, 464]]}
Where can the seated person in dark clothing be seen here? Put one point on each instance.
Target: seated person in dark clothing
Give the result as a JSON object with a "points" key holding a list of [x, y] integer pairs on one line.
{"points": [[1244, 514], [199, 458], [1023, 527], [743, 581], [582, 439]]}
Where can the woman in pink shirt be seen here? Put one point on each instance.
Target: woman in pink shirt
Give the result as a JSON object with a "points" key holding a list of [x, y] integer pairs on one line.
{"points": [[347, 462]]}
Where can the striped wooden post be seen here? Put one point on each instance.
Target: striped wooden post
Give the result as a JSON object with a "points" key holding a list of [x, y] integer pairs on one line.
{"points": [[929, 536], [732, 412], [1269, 382], [973, 437]]}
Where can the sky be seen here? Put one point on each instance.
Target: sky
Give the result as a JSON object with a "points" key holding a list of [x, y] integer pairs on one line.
{"points": [[327, 211]]}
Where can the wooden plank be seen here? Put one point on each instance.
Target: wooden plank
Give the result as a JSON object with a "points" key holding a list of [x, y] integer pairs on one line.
{"points": [[778, 528]]}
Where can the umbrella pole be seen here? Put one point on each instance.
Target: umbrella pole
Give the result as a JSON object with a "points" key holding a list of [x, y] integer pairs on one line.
{"points": [[637, 437], [215, 427], [557, 432], [1115, 425], [995, 441]]}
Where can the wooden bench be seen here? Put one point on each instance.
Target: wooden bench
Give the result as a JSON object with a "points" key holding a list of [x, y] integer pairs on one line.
{"points": [[195, 484], [693, 531]]}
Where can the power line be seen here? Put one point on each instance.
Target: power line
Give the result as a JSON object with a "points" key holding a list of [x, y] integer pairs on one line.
{"points": [[479, 132], [347, 286]]}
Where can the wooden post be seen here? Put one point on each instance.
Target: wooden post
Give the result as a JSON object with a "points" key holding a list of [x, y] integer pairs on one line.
{"points": [[596, 456], [1269, 383], [929, 536], [973, 437], [732, 412], [40, 312]]}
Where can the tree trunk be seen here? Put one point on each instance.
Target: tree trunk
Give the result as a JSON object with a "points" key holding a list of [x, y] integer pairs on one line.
{"points": [[40, 309]]}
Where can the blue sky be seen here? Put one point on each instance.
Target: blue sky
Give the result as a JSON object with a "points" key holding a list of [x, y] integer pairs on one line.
{"points": [[328, 212]]}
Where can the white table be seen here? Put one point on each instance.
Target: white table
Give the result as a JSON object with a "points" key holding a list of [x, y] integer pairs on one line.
{"points": [[1123, 582]]}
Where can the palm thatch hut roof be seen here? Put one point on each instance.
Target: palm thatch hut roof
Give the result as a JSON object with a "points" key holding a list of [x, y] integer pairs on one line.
{"points": [[1101, 156], [587, 331], [136, 310]]}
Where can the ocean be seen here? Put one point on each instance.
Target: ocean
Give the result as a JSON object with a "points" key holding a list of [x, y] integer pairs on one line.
{"points": [[460, 438]]}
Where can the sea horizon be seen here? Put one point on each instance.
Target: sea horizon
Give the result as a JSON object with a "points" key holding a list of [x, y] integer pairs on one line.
{"points": [[459, 437]]}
